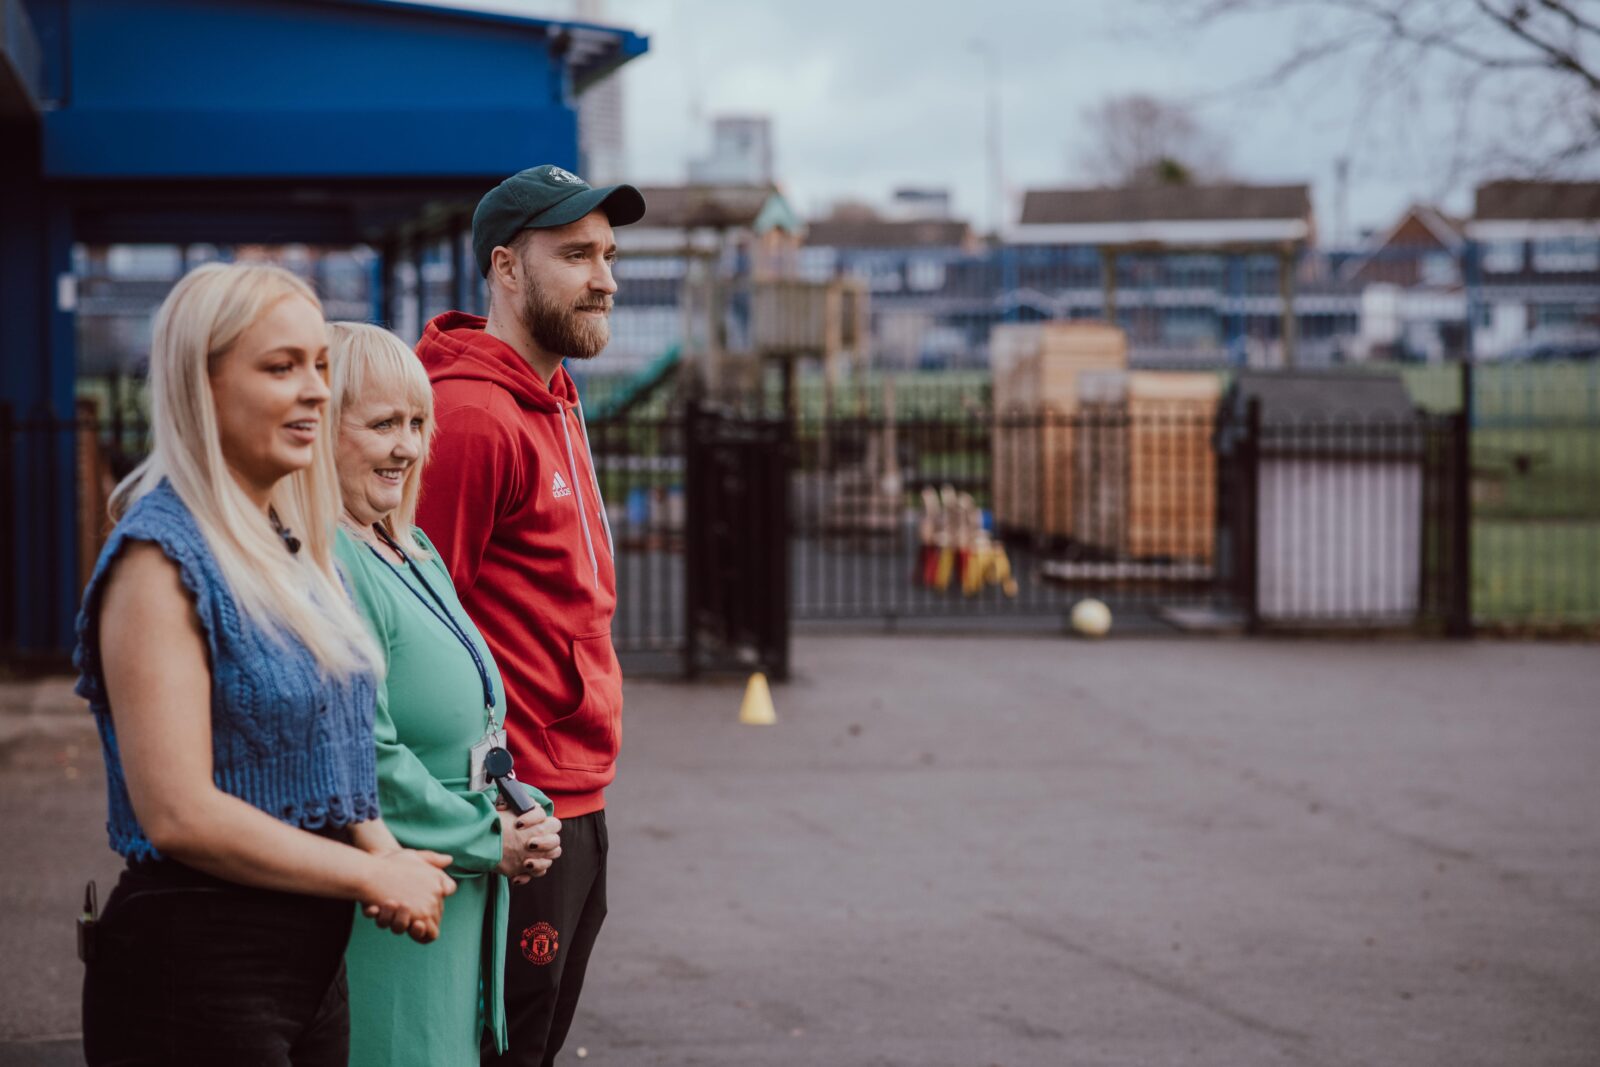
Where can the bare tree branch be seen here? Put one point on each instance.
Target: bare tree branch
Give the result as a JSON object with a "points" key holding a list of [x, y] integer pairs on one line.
{"points": [[1139, 139], [1520, 77], [1565, 11], [1515, 21]]}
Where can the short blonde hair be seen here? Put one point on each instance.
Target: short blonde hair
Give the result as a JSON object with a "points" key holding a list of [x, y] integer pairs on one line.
{"points": [[201, 319], [370, 361]]}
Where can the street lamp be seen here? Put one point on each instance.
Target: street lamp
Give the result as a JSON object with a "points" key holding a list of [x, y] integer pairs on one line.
{"points": [[996, 178]]}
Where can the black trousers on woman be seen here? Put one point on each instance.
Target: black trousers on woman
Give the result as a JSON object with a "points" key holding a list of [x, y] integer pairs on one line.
{"points": [[191, 969]]}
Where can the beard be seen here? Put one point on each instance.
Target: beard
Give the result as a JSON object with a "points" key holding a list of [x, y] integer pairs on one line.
{"points": [[566, 330]]}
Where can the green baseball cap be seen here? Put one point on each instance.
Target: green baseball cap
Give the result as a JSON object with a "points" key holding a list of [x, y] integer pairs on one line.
{"points": [[539, 198]]}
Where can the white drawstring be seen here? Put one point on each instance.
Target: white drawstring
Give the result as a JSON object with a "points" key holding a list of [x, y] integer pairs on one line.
{"points": [[594, 473], [583, 519]]}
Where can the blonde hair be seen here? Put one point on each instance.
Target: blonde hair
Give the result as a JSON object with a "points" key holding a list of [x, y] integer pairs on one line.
{"points": [[367, 361], [298, 595]]}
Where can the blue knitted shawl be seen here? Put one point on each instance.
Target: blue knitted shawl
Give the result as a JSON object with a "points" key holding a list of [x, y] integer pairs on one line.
{"points": [[285, 737]]}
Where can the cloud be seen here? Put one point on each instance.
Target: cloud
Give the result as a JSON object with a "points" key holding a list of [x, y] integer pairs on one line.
{"points": [[865, 95]]}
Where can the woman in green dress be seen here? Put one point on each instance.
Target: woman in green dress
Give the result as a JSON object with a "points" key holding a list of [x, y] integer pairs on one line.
{"points": [[438, 712]]}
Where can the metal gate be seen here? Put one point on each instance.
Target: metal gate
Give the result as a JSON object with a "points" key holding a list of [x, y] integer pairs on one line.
{"points": [[1351, 523], [736, 543]]}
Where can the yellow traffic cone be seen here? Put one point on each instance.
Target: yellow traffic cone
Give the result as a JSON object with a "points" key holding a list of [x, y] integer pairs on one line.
{"points": [[757, 709]]}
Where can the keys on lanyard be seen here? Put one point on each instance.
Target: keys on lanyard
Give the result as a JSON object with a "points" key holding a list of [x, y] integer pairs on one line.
{"points": [[478, 779], [499, 766]]}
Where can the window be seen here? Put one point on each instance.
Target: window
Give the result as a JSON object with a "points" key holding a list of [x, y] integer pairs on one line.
{"points": [[1439, 268], [924, 275], [1189, 326], [144, 262], [882, 280], [649, 268], [1553, 317], [1566, 254], [818, 263], [882, 274], [1502, 257], [1194, 271]]}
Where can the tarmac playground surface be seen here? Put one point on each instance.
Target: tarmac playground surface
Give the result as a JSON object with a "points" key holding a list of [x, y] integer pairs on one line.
{"points": [[1023, 849]]}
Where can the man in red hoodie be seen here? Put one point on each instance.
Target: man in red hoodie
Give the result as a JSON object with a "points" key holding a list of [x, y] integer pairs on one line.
{"points": [[512, 502]]}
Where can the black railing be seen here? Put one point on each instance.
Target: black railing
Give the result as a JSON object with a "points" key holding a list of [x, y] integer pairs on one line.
{"points": [[1155, 512], [640, 462], [977, 517], [981, 515]]}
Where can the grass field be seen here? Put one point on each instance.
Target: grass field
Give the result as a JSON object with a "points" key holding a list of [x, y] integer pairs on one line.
{"points": [[1536, 572], [1537, 472], [1512, 394]]}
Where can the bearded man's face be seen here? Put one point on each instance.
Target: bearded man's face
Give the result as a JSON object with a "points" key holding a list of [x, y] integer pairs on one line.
{"points": [[573, 330], [566, 305]]}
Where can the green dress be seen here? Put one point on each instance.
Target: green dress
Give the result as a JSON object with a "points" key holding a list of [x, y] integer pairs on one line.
{"points": [[427, 1004]]}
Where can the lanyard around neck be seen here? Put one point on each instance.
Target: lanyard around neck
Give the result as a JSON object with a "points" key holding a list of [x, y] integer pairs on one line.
{"points": [[438, 610]]}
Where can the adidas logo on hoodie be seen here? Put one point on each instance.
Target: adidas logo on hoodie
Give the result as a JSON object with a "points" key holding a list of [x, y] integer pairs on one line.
{"points": [[560, 486]]}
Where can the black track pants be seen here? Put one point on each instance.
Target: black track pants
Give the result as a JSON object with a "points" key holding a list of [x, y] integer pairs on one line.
{"points": [[553, 924]]}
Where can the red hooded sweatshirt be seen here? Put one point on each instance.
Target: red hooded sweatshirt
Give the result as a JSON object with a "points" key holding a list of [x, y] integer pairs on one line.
{"points": [[510, 499]]}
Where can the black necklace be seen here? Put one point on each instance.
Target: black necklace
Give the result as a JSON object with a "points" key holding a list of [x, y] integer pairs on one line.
{"points": [[290, 541]]}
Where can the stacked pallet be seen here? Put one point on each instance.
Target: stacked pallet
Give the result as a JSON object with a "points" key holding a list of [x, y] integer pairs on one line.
{"points": [[1100, 462], [1172, 465], [1151, 492], [1036, 372]]}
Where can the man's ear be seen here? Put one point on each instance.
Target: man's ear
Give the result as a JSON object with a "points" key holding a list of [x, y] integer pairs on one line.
{"points": [[504, 266]]}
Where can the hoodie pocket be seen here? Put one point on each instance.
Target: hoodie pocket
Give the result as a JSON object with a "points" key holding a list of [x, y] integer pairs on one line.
{"points": [[587, 739]]}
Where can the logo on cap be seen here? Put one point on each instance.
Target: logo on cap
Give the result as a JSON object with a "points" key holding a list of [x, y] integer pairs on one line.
{"points": [[566, 176]]}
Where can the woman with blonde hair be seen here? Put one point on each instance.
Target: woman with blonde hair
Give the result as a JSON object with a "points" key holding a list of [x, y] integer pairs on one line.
{"points": [[233, 684], [440, 707]]}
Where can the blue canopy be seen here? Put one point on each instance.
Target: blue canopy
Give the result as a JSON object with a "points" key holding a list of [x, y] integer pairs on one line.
{"points": [[270, 121]]}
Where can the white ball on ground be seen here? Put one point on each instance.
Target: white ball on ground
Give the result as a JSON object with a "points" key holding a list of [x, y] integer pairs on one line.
{"points": [[1091, 618]]}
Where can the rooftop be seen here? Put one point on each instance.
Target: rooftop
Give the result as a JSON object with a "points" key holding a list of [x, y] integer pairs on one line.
{"points": [[709, 206], [1168, 216], [1529, 200], [887, 233], [1166, 203]]}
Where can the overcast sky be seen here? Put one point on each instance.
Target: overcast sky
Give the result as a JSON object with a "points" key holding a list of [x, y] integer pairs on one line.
{"points": [[866, 95]]}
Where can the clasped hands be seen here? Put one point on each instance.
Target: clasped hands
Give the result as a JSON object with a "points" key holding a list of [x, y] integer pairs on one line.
{"points": [[408, 887], [529, 843]]}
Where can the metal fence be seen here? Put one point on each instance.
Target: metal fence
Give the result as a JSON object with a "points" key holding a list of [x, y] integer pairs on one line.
{"points": [[983, 516], [1534, 469], [936, 508], [641, 464], [1162, 515], [1535, 487]]}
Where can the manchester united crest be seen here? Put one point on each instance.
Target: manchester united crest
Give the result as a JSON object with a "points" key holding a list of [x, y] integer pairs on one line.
{"points": [[539, 943]]}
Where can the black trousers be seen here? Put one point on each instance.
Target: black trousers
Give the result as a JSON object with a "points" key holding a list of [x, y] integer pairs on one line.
{"points": [[192, 969], [552, 927]]}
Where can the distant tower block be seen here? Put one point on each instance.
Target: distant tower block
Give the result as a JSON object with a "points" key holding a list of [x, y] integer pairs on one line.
{"points": [[741, 152], [600, 117]]}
